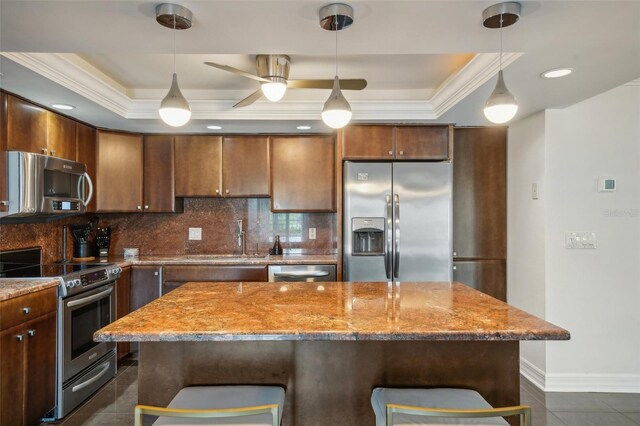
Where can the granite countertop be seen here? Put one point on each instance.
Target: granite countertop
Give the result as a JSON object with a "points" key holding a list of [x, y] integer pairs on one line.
{"points": [[218, 259], [16, 287], [328, 311]]}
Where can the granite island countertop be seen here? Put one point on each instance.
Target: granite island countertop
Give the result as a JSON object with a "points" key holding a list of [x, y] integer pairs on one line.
{"points": [[16, 287], [328, 311]]}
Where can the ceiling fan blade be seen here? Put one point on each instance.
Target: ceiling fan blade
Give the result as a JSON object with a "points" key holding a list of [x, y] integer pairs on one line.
{"points": [[236, 71], [249, 99], [345, 84]]}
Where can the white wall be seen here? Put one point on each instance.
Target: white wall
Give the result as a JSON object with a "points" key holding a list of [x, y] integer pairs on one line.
{"points": [[526, 229], [595, 294]]}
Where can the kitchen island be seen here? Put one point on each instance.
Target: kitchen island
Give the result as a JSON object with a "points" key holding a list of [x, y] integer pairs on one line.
{"points": [[329, 344]]}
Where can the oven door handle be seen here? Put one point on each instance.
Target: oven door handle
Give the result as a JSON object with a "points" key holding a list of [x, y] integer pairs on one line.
{"points": [[94, 379], [87, 300]]}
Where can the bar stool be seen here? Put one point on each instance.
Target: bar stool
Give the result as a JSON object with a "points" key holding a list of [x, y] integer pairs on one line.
{"points": [[440, 406], [219, 405]]}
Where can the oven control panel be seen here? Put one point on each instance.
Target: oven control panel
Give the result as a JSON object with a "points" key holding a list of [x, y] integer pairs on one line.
{"points": [[93, 277]]}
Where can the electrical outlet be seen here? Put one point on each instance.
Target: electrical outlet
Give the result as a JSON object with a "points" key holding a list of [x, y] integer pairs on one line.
{"points": [[534, 191], [195, 234], [312, 233], [580, 240]]}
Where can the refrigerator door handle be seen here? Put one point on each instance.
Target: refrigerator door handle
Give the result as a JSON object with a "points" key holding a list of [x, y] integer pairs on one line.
{"points": [[388, 247], [396, 260]]}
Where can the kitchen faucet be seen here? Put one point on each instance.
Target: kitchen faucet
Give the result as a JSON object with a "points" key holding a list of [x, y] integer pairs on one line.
{"points": [[241, 238]]}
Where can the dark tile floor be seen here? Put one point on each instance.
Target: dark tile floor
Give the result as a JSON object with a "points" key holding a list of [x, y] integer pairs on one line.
{"points": [[113, 405]]}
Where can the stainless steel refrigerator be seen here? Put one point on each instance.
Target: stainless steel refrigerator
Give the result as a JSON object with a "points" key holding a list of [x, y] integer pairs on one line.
{"points": [[397, 221]]}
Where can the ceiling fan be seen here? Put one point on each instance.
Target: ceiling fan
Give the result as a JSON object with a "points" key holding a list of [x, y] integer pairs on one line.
{"points": [[273, 75]]}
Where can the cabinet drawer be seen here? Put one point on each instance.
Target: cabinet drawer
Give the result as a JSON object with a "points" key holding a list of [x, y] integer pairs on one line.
{"points": [[214, 273], [24, 308]]}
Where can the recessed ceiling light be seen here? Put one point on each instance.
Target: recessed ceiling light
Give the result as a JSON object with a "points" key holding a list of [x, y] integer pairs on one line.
{"points": [[303, 127], [557, 72], [214, 127], [63, 106]]}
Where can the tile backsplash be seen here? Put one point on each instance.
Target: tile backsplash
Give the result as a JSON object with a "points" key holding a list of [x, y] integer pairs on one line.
{"points": [[159, 233]]}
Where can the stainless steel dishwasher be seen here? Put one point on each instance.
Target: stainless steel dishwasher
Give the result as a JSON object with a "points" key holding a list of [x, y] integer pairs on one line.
{"points": [[304, 273]]}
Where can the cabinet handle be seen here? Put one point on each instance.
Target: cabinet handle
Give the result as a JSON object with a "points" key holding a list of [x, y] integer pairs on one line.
{"points": [[26, 311], [226, 192], [19, 337], [401, 152], [44, 151], [455, 253], [455, 268], [52, 152], [4, 203], [390, 152], [146, 207], [32, 332], [155, 274], [217, 191], [139, 207]]}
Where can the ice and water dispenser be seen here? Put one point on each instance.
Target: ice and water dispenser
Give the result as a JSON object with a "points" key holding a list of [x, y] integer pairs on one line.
{"points": [[368, 236]]}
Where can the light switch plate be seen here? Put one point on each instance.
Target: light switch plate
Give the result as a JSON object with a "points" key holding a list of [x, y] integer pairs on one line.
{"points": [[580, 240], [312, 233], [195, 234]]}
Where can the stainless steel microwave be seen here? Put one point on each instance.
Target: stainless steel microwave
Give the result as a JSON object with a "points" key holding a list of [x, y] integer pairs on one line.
{"points": [[40, 185]]}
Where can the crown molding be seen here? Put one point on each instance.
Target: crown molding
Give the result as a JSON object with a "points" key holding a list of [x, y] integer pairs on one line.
{"points": [[77, 75]]}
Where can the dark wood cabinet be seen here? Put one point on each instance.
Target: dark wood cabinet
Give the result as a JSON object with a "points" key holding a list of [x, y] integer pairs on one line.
{"points": [[245, 166], [86, 153], [146, 285], [487, 276], [198, 162], [303, 174], [388, 142], [26, 126], [119, 172], [123, 299], [61, 136], [159, 189], [422, 142], [175, 276], [4, 192], [27, 358], [480, 193]]}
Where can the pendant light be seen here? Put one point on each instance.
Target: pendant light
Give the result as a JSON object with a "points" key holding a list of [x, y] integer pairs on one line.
{"points": [[174, 108], [336, 112], [501, 105]]}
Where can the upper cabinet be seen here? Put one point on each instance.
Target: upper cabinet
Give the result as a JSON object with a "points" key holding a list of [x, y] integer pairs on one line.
{"points": [[198, 166], [480, 193], [86, 153], [4, 193], [303, 174], [158, 182], [385, 142], [245, 166], [119, 172], [34, 129]]}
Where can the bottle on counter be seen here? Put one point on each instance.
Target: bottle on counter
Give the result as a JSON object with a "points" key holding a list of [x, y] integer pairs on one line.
{"points": [[277, 248]]}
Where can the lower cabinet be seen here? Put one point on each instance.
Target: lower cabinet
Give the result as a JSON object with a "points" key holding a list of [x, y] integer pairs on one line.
{"points": [[487, 276], [123, 297], [146, 285], [28, 362], [175, 276]]}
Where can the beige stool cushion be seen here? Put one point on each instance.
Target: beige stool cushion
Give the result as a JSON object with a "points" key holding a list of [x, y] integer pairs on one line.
{"points": [[431, 398], [215, 397]]}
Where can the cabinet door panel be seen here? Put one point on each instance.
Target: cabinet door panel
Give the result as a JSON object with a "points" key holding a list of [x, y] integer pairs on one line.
{"points": [[146, 285], [487, 276], [61, 136], [86, 153], [4, 195], [26, 127], [159, 187], [422, 142], [198, 166], [119, 174], [123, 298], [303, 174], [12, 376], [367, 142], [40, 383], [245, 166], [480, 193]]}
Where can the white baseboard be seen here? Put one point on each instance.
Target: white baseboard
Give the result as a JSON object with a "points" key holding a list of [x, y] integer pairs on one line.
{"points": [[623, 383]]}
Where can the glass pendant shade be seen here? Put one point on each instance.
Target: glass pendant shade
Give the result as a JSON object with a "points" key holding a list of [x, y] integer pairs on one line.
{"points": [[337, 111], [501, 105], [174, 108], [274, 91]]}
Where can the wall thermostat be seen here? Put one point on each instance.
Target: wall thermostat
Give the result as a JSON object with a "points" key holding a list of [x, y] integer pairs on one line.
{"points": [[606, 184]]}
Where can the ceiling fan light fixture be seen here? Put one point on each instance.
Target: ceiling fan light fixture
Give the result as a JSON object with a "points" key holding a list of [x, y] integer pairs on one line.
{"points": [[336, 112], [501, 105], [275, 89], [174, 108]]}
